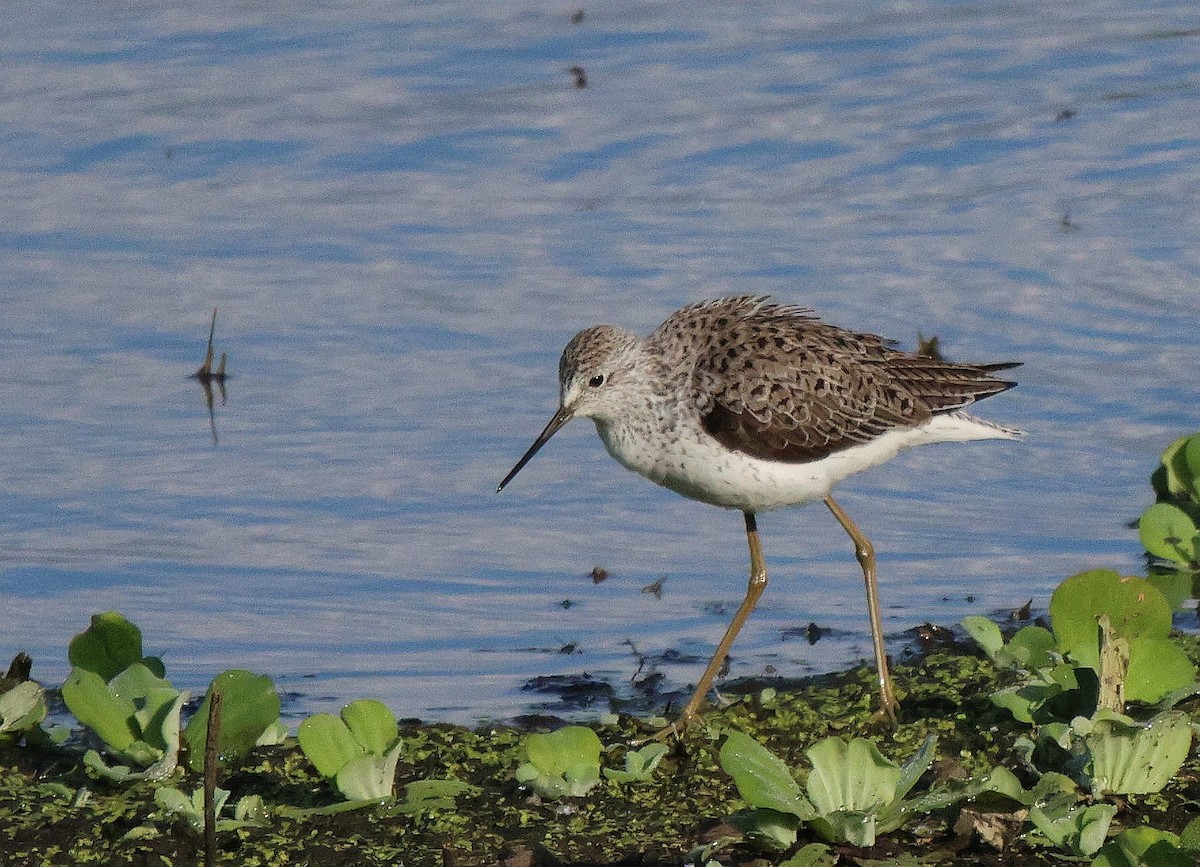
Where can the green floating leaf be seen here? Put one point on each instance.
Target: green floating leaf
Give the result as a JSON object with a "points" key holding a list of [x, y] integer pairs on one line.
{"points": [[327, 743], [768, 828], [1175, 584], [1069, 824], [639, 764], [88, 697], [189, 807], [999, 784], [858, 791], [1157, 667], [248, 812], [1179, 475], [249, 706], [1129, 758], [1169, 532], [1187, 466], [109, 646], [153, 697], [372, 724], [762, 779], [1030, 647], [1144, 847], [369, 776], [159, 762], [423, 795], [1134, 607], [23, 707], [1189, 838], [850, 776], [812, 855], [985, 633]]}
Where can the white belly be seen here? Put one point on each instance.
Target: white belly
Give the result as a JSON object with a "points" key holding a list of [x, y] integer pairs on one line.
{"points": [[698, 467]]}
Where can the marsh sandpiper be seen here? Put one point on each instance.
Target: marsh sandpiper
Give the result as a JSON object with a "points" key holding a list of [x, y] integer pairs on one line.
{"points": [[751, 405]]}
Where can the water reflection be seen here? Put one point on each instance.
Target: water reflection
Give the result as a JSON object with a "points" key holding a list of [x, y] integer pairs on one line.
{"points": [[208, 376]]}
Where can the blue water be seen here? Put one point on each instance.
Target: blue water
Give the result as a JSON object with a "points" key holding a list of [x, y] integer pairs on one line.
{"points": [[403, 213]]}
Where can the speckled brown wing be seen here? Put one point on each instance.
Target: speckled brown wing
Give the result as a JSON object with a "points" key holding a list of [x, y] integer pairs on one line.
{"points": [[776, 383]]}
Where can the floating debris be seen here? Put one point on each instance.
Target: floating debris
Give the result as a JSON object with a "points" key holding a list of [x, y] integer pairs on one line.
{"points": [[18, 672], [581, 79], [655, 588]]}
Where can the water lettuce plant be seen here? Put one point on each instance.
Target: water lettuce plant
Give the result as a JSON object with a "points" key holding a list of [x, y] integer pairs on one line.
{"points": [[639, 764], [1112, 752], [109, 646], [853, 792], [1170, 528], [124, 698], [1137, 613], [22, 709], [422, 796], [1145, 846], [249, 717], [1057, 813], [1109, 644], [358, 750], [563, 763], [247, 812]]}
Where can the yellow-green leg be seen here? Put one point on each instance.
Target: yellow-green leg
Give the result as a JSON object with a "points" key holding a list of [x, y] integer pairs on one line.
{"points": [[865, 553], [758, 583]]}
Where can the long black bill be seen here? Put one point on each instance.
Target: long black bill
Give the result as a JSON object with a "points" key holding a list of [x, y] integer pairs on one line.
{"points": [[560, 418]]}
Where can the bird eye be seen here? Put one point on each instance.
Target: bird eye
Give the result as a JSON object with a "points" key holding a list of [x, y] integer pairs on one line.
{"points": [[596, 381]]}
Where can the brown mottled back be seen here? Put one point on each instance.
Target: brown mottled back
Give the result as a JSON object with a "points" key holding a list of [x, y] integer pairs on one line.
{"points": [[776, 383]]}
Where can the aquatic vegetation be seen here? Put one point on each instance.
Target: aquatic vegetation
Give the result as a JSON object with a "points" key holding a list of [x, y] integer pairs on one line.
{"points": [[247, 812], [639, 764], [109, 646], [1058, 815], [125, 698], [136, 714], [358, 750], [1139, 614], [425, 795], [563, 763], [1112, 752], [1170, 529], [853, 792], [1135, 847], [249, 717], [457, 795], [1110, 644], [22, 710]]}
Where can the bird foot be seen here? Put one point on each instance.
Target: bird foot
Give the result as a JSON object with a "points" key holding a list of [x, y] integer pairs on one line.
{"points": [[668, 732], [889, 712]]}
